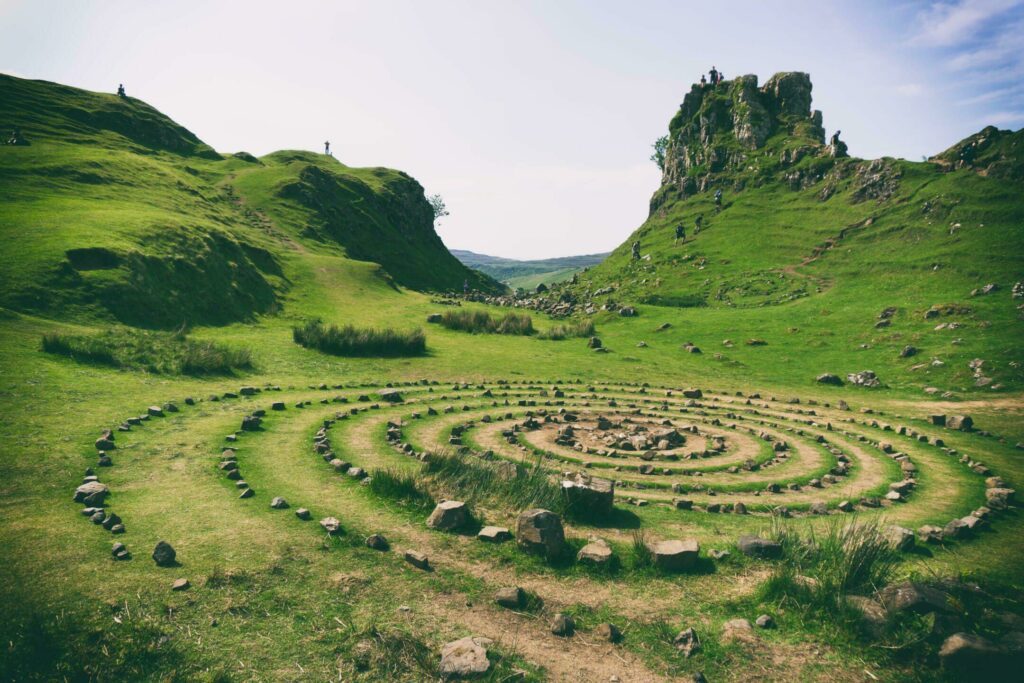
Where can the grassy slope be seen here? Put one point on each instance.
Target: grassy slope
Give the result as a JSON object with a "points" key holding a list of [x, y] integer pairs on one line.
{"points": [[528, 274], [281, 609]]}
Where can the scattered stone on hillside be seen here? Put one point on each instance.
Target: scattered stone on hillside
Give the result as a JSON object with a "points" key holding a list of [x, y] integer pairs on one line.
{"points": [[563, 625], [908, 351], [247, 493], [591, 494], [690, 347], [510, 598], [331, 525], [968, 652], [494, 534], [845, 506], [91, 493], [627, 312], [755, 546], [251, 423], [105, 444], [277, 405], [390, 395], [608, 632], [303, 514], [155, 411], [540, 531], [829, 378], [818, 508], [417, 559], [675, 554], [962, 423], [900, 538], [864, 378], [377, 542], [687, 642], [448, 515], [120, 552], [279, 503], [917, 598], [872, 613], [594, 343], [597, 552], [434, 318], [465, 658], [765, 621], [999, 498], [180, 585], [164, 555], [737, 630]]}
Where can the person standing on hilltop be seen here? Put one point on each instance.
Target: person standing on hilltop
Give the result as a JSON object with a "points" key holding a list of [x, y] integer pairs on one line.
{"points": [[120, 90], [718, 199], [714, 76], [636, 250], [835, 138], [703, 82], [680, 233], [698, 223], [327, 148]]}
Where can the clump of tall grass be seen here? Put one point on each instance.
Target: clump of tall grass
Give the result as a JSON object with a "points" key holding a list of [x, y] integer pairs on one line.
{"points": [[480, 481], [819, 568], [403, 486], [158, 352], [581, 328], [481, 322], [355, 341]]}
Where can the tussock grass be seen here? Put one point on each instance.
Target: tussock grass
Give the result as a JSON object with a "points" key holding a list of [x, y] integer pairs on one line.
{"points": [[481, 322], [402, 486], [582, 328], [840, 558], [349, 340], [158, 352], [479, 481]]}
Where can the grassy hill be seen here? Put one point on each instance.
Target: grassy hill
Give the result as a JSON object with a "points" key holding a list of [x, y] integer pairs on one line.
{"points": [[113, 211], [115, 217], [529, 273]]}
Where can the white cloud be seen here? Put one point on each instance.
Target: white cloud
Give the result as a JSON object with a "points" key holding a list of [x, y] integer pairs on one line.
{"points": [[953, 23], [910, 89]]}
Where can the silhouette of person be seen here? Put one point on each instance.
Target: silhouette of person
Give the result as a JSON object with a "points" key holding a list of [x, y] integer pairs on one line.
{"points": [[680, 232], [636, 250], [120, 90], [703, 81], [714, 76], [835, 138], [327, 148]]}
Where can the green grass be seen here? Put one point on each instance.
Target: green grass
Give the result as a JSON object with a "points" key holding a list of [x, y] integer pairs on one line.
{"points": [[582, 328], [157, 352], [355, 341]]}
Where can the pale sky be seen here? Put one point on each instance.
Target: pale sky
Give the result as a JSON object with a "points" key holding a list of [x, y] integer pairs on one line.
{"points": [[534, 120]]}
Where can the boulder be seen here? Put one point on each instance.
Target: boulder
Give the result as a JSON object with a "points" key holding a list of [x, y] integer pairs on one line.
{"points": [[913, 597], [968, 653], [597, 552], [900, 538], [303, 514], [675, 555], [448, 515], [829, 378], [251, 423], [331, 525], [963, 423], [390, 395], [465, 658], [91, 493], [510, 598], [590, 494], [377, 542], [105, 444], [155, 411], [417, 559], [755, 546], [765, 621], [180, 585], [540, 531], [737, 630], [279, 503], [164, 555], [608, 632], [563, 625], [687, 642]]}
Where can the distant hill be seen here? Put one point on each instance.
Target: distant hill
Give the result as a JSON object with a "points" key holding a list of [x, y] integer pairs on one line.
{"points": [[112, 211], [528, 274]]}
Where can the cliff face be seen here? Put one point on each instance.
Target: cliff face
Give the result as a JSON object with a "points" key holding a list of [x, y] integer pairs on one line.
{"points": [[717, 129]]}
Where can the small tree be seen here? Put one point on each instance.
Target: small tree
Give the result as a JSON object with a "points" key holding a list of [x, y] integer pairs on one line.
{"points": [[660, 145], [437, 204]]}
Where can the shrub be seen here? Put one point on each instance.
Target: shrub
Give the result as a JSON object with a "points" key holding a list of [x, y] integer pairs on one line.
{"points": [[158, 352], [354, 341], [582, 328], [481, 322]]}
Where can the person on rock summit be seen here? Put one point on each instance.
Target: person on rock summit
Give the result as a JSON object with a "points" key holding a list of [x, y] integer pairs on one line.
{"points": [[327, 148], [714, 76], [120, 90], [835, 138], [703, 82]]}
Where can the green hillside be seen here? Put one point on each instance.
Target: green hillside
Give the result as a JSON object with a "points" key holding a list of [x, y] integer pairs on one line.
{"points": [[115, 212]]}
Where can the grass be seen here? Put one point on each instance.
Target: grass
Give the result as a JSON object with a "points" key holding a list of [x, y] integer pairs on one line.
{"points": [[481, 322], [354, 341], [478, 481], [403, 486], [582, 328], [157, 352]]}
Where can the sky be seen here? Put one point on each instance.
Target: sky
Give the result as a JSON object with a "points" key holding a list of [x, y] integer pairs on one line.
{"points": [[533, 119]]}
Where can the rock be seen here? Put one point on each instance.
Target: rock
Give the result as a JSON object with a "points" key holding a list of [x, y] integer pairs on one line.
{"points": [[765, 621], [563, 625], [590, 494], [540, 531], [908, 351], [246, 492], [104, 444], [755, 546], [609, 632], [969, 653], [930, 533], [331, 525], [448, 515], [303, 514], [818, 508], [180, 585], [937, 420], [864, 378], [251, 423], [594, 343], [494, 534], [900, 538], [417, 559], [377, 542], [119, 552], [737, 630], [845, 506], [871, 611], [717, 554], [687, 642], [91, 493], [693, 393], [913, 597], [465, 658], [510, 598], [277, 405], [279, 503], [155, 411], [434, 318], [390, 396], [675, 555], [829, 378], [596, 552], [164, 555], [999, 498], [962, 423]]}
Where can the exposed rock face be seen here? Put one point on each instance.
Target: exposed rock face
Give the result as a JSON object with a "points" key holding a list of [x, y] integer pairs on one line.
{"points": [[751, 114]]}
